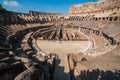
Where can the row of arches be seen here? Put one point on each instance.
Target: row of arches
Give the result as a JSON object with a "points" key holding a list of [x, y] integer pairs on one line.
{"points": [[114, 8], [111, 40], [20, 17], [85, 18]]}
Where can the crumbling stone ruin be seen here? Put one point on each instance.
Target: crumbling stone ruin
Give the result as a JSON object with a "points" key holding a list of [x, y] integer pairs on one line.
{"points": [[22, 58]]}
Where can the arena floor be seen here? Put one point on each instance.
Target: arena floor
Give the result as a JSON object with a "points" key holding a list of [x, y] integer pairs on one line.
{"points": [[63, 47]]}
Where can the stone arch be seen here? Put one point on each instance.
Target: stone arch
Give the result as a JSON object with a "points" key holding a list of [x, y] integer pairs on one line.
{"points": [[75, 17], [99, 18], [96, 19], [87, 16], [118, 8], [78, 18], [103, 18], [93, 18], [83, 18], [71, 17], [107, 18], [115, 18], [110, 18]]}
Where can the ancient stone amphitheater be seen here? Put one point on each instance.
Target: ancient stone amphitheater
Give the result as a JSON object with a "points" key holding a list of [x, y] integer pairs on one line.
{"points": [[84, 45]]}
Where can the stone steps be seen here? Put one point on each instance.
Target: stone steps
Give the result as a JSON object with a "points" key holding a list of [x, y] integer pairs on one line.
{"points": [[9, 60], [3, 55]]}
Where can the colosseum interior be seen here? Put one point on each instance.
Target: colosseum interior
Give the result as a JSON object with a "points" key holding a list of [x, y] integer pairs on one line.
{"points": [[84, 45]]}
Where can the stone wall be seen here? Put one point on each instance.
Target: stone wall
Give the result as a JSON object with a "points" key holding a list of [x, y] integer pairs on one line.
{"points": [[108, 8], [8, 17]]}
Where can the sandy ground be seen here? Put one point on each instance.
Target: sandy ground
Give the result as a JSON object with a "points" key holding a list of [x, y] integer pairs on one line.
{"points": [[62, 47]]}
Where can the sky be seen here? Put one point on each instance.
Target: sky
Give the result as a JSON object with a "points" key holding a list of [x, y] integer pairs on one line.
{"points": [[51, 6]]}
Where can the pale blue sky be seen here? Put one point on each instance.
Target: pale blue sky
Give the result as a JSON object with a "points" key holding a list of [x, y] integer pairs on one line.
{"points": [[52, 6]]}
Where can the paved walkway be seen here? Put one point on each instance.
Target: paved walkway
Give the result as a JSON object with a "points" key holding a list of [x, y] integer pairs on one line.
{"points": [[61, 71]]}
